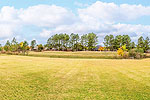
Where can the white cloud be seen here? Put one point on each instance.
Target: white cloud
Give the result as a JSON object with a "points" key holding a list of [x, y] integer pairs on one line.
{"points": [[110, 12], [51, 16], [100, 18], [47, 16], [101, 30], [6, 30], [45, 33], [9, 21], [9, 15]]}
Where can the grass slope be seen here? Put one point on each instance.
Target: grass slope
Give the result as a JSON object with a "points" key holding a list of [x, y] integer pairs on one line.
{"points": [[39, 78]]}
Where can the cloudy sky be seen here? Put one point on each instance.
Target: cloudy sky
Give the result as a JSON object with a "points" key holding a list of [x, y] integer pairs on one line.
{"points": [[39, 19]]}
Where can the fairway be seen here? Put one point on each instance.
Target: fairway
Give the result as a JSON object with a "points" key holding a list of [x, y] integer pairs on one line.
{"points": [[42, 78]]}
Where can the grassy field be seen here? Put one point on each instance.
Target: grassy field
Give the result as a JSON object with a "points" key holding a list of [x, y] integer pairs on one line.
{"points": [[79, 54], [39, 78]]}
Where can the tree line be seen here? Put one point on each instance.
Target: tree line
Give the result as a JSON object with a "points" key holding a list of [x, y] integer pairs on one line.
{"points": [[113, 43], [74, 42]]}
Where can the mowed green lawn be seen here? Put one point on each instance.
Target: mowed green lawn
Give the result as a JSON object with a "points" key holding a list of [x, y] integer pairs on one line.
{"points": [[40, 78]]}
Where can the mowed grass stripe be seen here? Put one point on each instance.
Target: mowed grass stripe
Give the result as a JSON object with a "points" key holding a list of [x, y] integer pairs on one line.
{"points": [[139, 73], [31, 78]]}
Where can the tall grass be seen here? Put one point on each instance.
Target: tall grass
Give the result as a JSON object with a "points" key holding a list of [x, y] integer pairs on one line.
{"points": [[77, 55], [80, 54]]}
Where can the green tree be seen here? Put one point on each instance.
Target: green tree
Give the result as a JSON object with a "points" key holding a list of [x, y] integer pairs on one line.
{"points": [[55, 41], [118, 41], [14, 45], [33, 44], [66, 41], [79, 47], [84, 41], [92, 41], [49, 43], [74, 39], [1, 47], [40, 47], [14, 41], [24, 47], [7, 46], [60, 41], [132, 45], [146, 44], [106, 41], [140, 42], [126, 41], [111, 42]]}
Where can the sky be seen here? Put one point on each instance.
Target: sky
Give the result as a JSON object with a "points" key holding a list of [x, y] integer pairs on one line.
{"points": [[40, 19]]}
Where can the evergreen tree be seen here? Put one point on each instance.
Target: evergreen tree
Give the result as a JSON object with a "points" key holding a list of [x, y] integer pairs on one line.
{"points": [[7, 46], [33, 44], [111, 42], [92, 41], [146, 44], [132, 45], [140, 42], [106, 42], [14, 45], [84, 41], [126, 41], [118, 41]]}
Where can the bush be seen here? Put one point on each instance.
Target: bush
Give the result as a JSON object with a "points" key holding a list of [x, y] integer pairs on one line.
{"points": [[40, 47], [139, 50], [122, 51], [101, 48], [136, 53], [125, 55], [132, 53], [1, 48]]}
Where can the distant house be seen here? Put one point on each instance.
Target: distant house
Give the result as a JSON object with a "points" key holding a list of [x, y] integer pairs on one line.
{"points": [[63, 48], [97, 47], [35, 48], [69, 49], [54, 49], [148, 51], [46, 48]]}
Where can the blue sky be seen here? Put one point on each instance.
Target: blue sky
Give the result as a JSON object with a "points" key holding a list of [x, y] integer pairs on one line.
{"points": [[39, 19], [65, 3]]}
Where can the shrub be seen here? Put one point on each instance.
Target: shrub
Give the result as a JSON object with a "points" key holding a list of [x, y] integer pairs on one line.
{"points": [[125, 55], [1, 48], [136, 53], [101, 48], [132, 53], [40, 47], [122, 51], [139, 50]]}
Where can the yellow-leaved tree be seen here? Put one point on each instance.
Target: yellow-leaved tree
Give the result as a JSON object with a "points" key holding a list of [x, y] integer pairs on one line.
{"points": [[101, 48], [21, 44], [24, 47], [122, 51]]}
